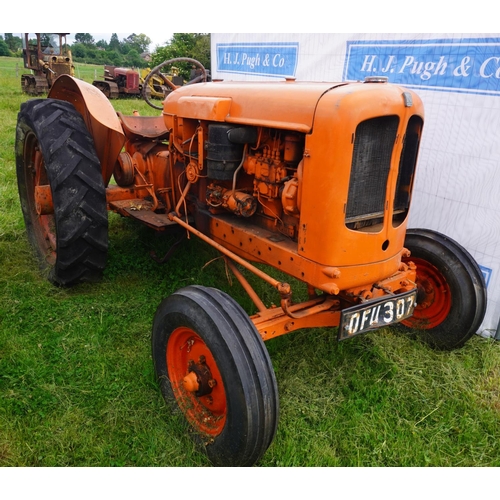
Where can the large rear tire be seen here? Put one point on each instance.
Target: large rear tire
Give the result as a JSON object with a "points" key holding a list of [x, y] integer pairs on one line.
{"points": [[451, 300], [55, 149], [211, 361]]}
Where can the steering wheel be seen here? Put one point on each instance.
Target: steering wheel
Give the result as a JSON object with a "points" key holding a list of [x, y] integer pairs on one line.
{"points": [[172, 86]]}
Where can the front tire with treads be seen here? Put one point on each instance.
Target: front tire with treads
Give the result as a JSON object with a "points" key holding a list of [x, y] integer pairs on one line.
{"points": [[54, 149], [211, 361]]}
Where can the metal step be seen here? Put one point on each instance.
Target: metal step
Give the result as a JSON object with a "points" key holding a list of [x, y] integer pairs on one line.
{"points": [[140, 210]]}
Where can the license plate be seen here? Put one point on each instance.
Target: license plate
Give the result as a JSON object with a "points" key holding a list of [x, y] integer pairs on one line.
{"points": [[376, 314]]}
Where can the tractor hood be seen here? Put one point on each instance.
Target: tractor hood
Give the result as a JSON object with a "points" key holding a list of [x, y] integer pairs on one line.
{"points": [[287, 105]]}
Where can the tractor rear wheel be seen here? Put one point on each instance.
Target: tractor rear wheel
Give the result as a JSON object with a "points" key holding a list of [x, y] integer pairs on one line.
{"points": [[55, 155], [211, 361], [451, 300]]}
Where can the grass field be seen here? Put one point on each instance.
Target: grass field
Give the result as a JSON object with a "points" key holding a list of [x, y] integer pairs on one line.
{"points": [[77, 384]]}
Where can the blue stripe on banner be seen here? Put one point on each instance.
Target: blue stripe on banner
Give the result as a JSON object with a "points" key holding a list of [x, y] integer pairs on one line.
{"points": [[465, 65], [264, 59]]}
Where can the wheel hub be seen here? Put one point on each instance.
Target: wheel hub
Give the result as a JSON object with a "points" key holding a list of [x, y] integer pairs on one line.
{"points": [[196, 381], [199, 378], [433, 299]]}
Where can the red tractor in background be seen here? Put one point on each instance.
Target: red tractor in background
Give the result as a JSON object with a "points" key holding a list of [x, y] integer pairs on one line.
{"points": [[119, 82], [313, 179]]}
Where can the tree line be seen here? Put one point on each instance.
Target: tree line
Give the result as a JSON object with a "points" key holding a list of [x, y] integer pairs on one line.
{"points": [[132, 51]]}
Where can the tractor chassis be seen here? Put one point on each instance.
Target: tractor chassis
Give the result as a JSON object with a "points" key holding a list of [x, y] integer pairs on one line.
{"points": [[320, 310], [323, 310], [241, 242]]}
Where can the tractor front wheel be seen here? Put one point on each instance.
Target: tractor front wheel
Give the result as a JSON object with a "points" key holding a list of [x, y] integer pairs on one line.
{"points": [[61, 190], [211, 361], [451, 300]]}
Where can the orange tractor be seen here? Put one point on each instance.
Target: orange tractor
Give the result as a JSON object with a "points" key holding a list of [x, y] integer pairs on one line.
{"points": [[312, 179]]}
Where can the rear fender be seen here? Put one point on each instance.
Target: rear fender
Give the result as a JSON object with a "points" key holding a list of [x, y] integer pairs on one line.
{"points": [[99, 115]]}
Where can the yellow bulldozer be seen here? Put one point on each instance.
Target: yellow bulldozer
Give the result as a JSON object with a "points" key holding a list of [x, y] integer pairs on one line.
{"points": [[160, 85], [47, 56]]}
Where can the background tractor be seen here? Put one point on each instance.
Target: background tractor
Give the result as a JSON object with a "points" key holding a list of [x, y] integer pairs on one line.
{"points": [[119, 82], [47, 56], [312, 181], [159, 84]]}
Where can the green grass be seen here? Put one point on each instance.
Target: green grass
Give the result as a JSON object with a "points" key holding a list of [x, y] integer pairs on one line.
{"points": [[77, 384]]}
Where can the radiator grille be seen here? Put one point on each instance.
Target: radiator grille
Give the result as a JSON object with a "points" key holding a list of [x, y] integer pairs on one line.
{"points": [[371, 161], [407, 164], [60, 69]]}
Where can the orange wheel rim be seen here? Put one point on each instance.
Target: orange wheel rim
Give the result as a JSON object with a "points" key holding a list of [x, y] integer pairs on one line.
{"points": [[434, 297], [206, 413], [44, 225]]}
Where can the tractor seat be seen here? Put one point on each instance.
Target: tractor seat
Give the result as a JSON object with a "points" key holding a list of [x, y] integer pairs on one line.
{"points": [[151, 127]]}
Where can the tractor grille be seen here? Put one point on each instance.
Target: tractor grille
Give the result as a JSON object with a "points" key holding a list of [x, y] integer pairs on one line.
{"points": [[407, 165], [60, 68], [132, 80], [371, 161]]}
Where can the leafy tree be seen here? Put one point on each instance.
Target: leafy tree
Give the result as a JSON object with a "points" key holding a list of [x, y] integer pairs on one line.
{"points": [[114, 43], [134, 59], [116, 53], [201, 50], [78, 51], [102, 44], [114, 58], [4, 48], [101, 57], [14, 43], [140, 42], [193, 45], [91, 55], [85, 38], [125, 48]]}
